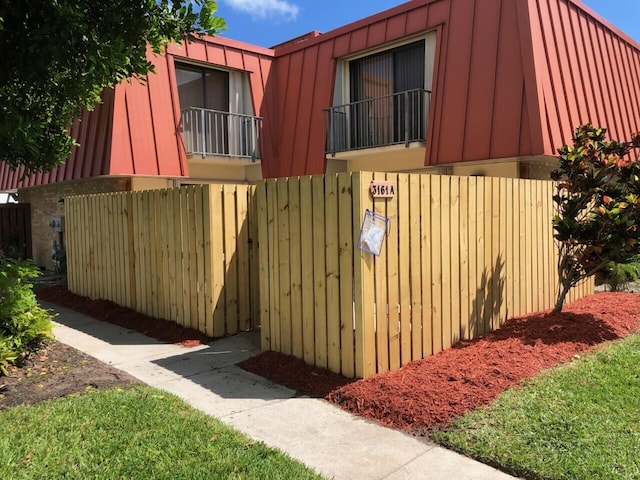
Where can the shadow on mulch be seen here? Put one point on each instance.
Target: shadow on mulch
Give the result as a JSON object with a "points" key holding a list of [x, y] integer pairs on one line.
{"points": [[295, 374], [428, 394], [107, 311]]}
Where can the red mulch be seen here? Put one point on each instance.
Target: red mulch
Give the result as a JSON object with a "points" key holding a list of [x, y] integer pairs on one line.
{"points": [[429, 393], [107, 311], [295, 374]]}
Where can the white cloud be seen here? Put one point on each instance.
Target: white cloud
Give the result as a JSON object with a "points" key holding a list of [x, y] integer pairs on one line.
{"points": [[266, 8]]}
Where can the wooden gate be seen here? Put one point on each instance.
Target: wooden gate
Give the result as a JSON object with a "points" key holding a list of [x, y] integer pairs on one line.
{"points": [[15, 230]]}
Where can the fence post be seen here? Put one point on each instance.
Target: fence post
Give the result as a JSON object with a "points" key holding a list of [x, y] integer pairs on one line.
{"points": [[363, 283]]}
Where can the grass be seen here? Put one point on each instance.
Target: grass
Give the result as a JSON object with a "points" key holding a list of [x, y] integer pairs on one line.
{"points": [[581, 420], [135, 433]]}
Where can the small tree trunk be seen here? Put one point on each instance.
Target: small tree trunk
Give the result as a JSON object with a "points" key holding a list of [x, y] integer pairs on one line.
{"points": [[563, 291]]}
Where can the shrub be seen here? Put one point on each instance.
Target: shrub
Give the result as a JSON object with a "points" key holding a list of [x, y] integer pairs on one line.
{"points": [[597, 203], [24, 325], [617, 275]]}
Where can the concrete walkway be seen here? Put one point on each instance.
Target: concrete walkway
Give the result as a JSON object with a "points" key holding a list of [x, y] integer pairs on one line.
{"points": [[327, 439]]}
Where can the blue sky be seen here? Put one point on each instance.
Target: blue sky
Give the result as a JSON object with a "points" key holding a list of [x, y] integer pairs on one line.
{"points": [[269, 22]]}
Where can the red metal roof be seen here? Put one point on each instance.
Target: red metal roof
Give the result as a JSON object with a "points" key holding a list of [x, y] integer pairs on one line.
{"points": [[511, 78], [585, 70]]}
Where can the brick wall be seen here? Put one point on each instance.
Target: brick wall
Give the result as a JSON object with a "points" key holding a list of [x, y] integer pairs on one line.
{"points": [[45, 204]]}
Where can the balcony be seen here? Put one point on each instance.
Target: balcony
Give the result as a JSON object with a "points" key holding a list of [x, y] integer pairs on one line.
{"points": [[395, 119], [213, 133]]}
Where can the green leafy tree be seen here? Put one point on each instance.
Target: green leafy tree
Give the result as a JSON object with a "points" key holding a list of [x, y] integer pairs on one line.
{"points": [[597, 206], [59, 55]]}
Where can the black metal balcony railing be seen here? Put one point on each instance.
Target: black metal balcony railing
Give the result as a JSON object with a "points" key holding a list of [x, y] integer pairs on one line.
{"points": [[377, 122], [215, 133]]}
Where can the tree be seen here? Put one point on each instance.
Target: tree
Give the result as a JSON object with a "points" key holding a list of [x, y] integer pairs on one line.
{"points": [[59, 55], [597, 201]]}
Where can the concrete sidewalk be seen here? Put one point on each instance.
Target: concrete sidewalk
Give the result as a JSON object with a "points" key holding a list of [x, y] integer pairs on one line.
{"points": [[327, 439]]}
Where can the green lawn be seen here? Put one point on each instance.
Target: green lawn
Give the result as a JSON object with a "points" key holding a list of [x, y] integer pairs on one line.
{"points": [[137, 433], [579, 421]]}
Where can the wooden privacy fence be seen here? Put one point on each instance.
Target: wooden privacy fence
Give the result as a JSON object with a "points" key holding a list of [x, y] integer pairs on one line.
{"points": [[15, 230], [461, 256], [183, 254]]}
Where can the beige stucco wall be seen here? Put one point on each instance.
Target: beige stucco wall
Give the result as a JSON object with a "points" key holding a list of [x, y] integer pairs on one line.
{"points": [[224, 170]]}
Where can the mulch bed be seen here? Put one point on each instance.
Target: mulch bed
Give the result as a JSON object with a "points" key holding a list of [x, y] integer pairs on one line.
{"points": [[429, 393], [57, 370], [111, 312]]}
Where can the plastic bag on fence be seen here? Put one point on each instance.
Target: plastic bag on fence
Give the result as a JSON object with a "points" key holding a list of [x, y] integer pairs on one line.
{"points": [[372, 233]]}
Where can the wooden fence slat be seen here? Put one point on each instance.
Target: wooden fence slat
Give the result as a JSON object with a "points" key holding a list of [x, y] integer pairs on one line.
{"points": [[464, 258], [445, 229], [474, 240], [158, 218], [263, 258], [332, 262], [415, 262], [394, 271], [381, 300], [284, 256], [218, 260], [530, 285], [399, 273], [488, 267], [306, 253], [319, 270], [242, 252], [497, 263], [200, 259], [114, 254], [426, 265], [192, 268], [346, 234], [455, 322], [364, 284], [120, 242], [185, 300], [96, 284], [295, 261], [481, 273], [535, 248], [436, 263], [254, 272], [208, 232], [272, 220]]}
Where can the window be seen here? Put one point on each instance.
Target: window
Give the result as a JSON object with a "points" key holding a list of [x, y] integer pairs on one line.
{"points": [[384, 88], [382, 98], [389, 72], [203, 88], [217, 114]]}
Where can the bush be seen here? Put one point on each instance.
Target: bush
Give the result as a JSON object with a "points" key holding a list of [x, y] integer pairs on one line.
{"points": [[24, 325], [617, 275], [597, 202]]}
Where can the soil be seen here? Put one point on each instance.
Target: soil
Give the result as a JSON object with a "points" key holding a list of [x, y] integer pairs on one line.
{"points": [[428, 394], [57, 370]]}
